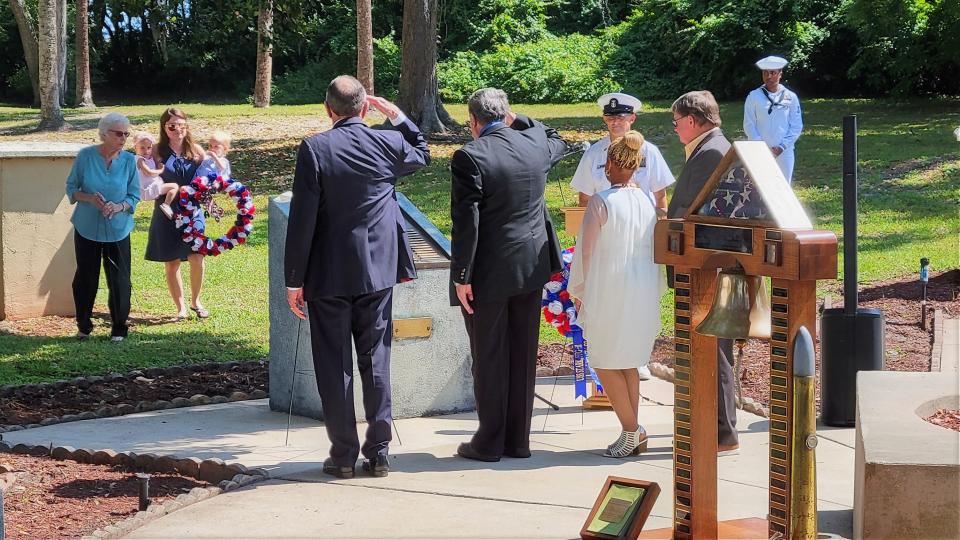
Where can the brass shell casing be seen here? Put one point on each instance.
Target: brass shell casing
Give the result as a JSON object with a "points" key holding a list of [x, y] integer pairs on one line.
{"points": [[803, 480]]}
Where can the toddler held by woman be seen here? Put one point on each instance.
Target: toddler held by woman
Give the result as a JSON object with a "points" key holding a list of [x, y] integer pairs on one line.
{"points": [[215, 161], [151, 185]]}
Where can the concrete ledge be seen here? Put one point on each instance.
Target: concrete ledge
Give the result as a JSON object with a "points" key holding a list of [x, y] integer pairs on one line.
{"points": [[18, 149], [907, 470]]}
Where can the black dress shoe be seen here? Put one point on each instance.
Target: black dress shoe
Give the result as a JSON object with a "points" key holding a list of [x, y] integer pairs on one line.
{"points": [[331, 468], [467, 451], [378, 467], [517, 452]]}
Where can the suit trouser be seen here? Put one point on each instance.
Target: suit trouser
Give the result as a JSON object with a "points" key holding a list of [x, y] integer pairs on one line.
{"points": [[785, 161], [115, 257], [367, 318], [503, 342], [726, 402]]}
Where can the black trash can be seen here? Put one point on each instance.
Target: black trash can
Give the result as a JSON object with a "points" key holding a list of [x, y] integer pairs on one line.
{"points": [[849, 343]]}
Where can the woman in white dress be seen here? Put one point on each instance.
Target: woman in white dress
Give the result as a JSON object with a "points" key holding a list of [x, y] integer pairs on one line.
{"points": [[618, 287]]}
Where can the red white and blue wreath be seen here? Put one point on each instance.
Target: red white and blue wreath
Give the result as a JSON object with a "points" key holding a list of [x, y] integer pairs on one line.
{"points": [[188, 214], [561, 313]]}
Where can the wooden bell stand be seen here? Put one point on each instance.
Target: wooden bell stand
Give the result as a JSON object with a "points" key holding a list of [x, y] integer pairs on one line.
{"points": [[573, 218], [782, 246]]}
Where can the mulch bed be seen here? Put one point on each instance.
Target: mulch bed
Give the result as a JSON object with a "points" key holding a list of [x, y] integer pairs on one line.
{"points": [[69, 397], [908, 347], [946, 418], [66, 499]]}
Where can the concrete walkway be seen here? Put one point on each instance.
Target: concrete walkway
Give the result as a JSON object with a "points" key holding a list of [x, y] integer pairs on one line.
{"points": [[430, 493]]}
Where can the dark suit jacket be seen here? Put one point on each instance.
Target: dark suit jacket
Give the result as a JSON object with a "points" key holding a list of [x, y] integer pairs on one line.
{"points": [[345, 235], [504, 243], [696, 171]]}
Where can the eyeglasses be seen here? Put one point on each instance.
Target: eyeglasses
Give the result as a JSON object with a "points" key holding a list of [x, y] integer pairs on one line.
{"points": [[616, 117], [123, 134], [677, 120], [174, 127]]}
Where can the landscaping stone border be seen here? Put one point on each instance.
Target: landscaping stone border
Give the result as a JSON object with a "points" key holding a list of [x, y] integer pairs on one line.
{"points": [[130, 408], [215, 471], [668, 374]]}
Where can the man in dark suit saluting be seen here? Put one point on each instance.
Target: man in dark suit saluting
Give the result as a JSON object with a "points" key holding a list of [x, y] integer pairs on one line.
{"points": [[696, 119], [345, 251], [504, 250]]}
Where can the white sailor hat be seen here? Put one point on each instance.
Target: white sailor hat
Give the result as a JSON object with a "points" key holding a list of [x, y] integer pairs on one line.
{"points": [[772, 62], [619, 103]]}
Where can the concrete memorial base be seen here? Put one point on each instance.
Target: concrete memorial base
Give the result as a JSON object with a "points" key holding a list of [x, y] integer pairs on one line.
{"points": [[429, 375], [907, 481], [37, 262]]}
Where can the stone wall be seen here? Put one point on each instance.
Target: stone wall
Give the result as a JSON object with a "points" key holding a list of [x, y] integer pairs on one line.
{"points": [[37, 261]]}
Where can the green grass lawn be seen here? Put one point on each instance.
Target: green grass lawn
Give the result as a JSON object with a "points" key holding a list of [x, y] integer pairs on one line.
{"points": [[910, 189]]}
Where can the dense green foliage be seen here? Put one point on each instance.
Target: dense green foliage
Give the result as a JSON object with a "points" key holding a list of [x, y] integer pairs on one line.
{"points": [[538, 50], [552, 70]]}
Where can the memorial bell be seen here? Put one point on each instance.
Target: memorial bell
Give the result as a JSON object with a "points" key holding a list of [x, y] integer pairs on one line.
{"points": [[741, 307]]}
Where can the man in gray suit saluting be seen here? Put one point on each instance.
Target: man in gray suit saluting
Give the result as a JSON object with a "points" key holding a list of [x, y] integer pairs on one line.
{"points": [[345, 251], [696, 119]]}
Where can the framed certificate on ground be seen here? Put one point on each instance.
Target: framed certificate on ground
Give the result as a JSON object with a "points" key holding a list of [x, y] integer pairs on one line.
{"points": [[620, 510]]}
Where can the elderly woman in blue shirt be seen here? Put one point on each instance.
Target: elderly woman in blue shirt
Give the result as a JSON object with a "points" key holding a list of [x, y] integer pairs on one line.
{"points": [[105, 186]]}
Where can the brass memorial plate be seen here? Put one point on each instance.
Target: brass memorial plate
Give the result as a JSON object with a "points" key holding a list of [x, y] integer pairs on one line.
{"points": [[415, 327]]}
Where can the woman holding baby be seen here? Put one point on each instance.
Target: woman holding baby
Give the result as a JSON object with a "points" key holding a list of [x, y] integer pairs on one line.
{"points": [[181, 159]]}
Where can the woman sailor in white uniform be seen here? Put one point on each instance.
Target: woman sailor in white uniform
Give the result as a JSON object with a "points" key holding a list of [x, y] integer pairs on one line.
{"points": [[772, 114]]}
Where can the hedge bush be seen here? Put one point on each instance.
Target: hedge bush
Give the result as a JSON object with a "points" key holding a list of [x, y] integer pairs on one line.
{"points": [[565, 69]]}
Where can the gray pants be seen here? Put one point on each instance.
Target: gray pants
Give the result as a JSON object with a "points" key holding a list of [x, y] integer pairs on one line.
{"points": [[726, 400]]}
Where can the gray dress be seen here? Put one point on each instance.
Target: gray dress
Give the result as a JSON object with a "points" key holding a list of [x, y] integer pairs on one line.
{"points": [[164, 242]]}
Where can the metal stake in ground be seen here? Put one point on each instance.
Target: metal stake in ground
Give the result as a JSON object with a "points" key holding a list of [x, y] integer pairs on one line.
{"points": [[293, 383], [924, 278], [143, 479]]}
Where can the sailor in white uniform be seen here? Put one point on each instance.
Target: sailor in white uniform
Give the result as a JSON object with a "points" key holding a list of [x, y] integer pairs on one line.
{"points": [[653, 175], [772, 114]]}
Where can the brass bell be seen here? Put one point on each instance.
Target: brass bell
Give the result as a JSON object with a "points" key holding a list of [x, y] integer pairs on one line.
{"points": [[741, 307]]}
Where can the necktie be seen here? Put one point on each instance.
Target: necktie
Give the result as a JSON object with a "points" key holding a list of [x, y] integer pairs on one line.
{"points": [[772, 102]]}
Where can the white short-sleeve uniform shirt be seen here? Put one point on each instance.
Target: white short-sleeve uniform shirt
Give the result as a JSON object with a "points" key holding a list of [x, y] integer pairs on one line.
{"points": [[652, 175]]}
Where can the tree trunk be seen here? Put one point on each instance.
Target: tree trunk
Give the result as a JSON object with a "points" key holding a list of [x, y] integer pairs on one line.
{"points": [[62, 49], [51, 117], [28, 38], [365, 44], [82, 56], [261, 89], [419, 95], [157, 21]]}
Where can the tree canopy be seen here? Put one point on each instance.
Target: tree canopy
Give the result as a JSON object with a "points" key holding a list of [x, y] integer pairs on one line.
{"points": [[537, 50]]}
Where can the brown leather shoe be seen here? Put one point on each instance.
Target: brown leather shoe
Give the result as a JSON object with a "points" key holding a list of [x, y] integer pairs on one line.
{"points": [[728, 449], [467, 451], [333, 469]]}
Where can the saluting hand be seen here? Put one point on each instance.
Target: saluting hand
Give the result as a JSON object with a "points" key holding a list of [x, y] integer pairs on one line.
{"points": [[389, 110]]}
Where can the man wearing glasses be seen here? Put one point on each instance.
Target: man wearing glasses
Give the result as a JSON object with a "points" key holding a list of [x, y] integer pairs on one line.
{"points": [[696, 120], [772, 114]]}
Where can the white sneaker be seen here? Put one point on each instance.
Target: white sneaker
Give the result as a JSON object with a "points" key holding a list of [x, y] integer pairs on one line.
{"points": [[116, 339], [644, 372]]}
